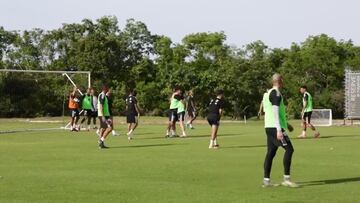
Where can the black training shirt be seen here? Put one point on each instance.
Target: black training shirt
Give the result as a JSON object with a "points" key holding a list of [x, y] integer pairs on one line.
{"points": [[214, 107], [275, 97], [131, 101]]}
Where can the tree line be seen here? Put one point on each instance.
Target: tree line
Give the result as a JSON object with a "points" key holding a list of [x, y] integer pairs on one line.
{"points": [[134, 58]]}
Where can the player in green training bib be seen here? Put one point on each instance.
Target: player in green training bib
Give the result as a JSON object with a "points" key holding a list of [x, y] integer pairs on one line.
{"points": [[87, 107], [275, 128], [306, 113], [104, 116]]}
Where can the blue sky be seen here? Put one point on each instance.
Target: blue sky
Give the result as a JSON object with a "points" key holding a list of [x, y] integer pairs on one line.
{"points": [[276, 22]]}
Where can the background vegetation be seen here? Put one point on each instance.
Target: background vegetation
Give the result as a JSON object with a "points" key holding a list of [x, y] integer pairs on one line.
{"points": [[133, 57]]}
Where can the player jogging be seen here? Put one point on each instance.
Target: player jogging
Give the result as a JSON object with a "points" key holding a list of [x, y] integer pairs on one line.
{"points": [[275, 126], [132, 113], [104, 116], [173, 117], [87, 106], [74, 109], [181, 114], [110, 101], [190, 109], [306, 113], [215, 111]]}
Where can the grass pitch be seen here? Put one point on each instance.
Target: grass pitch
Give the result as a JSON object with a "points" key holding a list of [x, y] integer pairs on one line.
{"points": [[59, 166]]}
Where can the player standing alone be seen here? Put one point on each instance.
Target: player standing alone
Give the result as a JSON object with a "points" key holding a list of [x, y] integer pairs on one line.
{"points": [[306, 113], [190, 109], [133, 113], [275, 126], [74, 109], [104, 116], [215, 110]]}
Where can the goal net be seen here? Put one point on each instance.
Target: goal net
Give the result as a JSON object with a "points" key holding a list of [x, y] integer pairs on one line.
{"points": [[33, 100], [321, 117]]}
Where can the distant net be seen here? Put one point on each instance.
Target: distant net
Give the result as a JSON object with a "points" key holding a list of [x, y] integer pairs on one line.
{"points": [[32, 100], [321, 117]]}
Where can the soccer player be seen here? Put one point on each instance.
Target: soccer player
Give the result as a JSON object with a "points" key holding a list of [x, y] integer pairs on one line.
{"points": [[306, 113], [87, 106], [181, 114], [190, 109], [133, 113], [173, 117], [104, 116], [74, 109], [94, 113], [275, 126], [215, 111], [261, 108], [110, 101]]}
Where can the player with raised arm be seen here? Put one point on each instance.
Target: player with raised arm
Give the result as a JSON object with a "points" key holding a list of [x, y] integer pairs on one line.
{"points": [[87, 106], [173, 117], [190, 109], [74, 109], [306, 113], [275, 128], [132, 113], [215, 111], [104, 116]]}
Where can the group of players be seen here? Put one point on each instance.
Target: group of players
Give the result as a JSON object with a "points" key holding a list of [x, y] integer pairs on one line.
{"points": [[91, 107], [272, 105]]}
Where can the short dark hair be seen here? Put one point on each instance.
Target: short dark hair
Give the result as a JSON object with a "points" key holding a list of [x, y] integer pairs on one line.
{"points": [[219, 92], [304, 87], [133, 92]]}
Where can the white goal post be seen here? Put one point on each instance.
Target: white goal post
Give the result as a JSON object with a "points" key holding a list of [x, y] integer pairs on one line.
{"points": [[63, 73], [321, 117]]}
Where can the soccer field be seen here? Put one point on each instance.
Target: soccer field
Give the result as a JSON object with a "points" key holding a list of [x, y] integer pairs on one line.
{"points": [[59, 166]]}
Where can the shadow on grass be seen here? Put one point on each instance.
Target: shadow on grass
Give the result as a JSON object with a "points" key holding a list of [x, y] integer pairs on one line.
{"points": [[330, 181], [145, 146], [246, 146], [189, 136], [324, 137]]}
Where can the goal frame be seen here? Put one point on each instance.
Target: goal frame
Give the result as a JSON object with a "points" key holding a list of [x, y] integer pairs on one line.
{"points": [[322, 125], [63, 73]]}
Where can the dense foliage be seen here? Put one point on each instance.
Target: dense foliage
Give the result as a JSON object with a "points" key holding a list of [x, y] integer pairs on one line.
{"points": [[133, 57]]}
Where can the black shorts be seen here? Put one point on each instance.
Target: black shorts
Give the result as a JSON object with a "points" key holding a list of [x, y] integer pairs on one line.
{"points": [[272, 141], [106, 122], [87, 112], [307, 116], [191, 113], [173, 116], [213, 121], [181, 116], [94, 114], [74, 113], [131, 118]]}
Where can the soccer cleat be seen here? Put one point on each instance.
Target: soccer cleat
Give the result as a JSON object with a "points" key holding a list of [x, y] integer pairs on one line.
{"points": [[216, 146], [268, 183], [102, 145], [130, 138], [288, 183], [301, 136], [317, 134]]}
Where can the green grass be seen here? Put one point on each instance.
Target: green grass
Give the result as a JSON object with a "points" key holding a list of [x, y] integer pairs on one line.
{"points": [[59, 166]]}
